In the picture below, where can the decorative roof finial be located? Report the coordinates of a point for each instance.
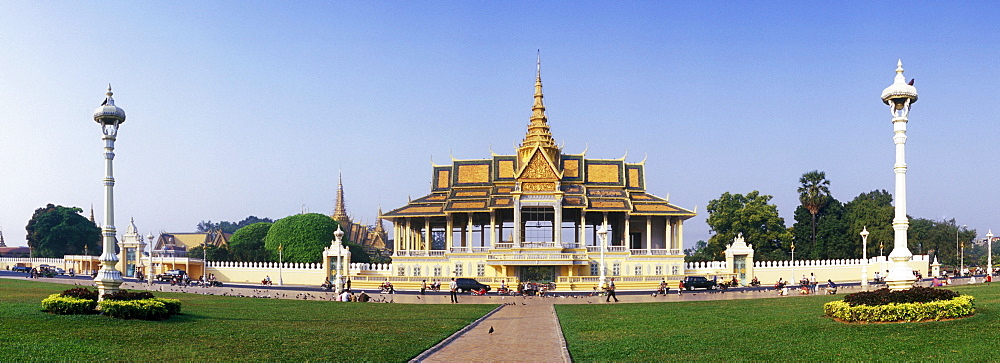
(538, 130)
(340, 211)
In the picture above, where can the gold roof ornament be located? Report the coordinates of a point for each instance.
(538, 135)
(340, 211)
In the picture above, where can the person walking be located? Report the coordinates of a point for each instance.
(453, 286)
(423, 286)
(611, 291)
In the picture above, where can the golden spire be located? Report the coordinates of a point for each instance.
(538, 130)
(340, 211)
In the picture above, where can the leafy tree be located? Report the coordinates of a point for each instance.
(247, 244)
(814, 192)
(751, 215)
(251, 220)
(230, 227)
(698, 253)
(874, 211)
(302, 236)
(55, 231)
(938, 238)
(211, 252)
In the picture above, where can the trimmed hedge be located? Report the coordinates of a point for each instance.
(67, 305)
(936, 310)
(80, 293)
(912, 295)
(145, 309)
(122, 304)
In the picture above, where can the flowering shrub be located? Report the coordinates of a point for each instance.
(122, 304)
(936, 310)
(145, 309)
(123, 295)
(885, 296)
(80, 293)
(67, 305)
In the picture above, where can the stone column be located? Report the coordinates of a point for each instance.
(649, 235)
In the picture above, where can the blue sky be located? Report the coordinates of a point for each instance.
(252, 108)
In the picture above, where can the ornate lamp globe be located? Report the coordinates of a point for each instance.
(899, 91)
(108, 113)
(338, 234)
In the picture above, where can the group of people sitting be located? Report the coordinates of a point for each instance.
(347, 296)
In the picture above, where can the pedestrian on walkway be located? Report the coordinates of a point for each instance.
(611, 291)
(423, 286)
(453, 286)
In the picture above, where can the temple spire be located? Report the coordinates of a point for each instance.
(340, 211)
(538, 134)
(3, 244)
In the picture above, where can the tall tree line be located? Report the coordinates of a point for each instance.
(826, 228)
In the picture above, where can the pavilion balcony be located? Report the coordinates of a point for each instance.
(597, 249)
(654, 252)
(420, 253)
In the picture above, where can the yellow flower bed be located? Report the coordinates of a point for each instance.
(944, 309)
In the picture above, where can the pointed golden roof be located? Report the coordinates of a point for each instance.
(340, 212)
(538, 130)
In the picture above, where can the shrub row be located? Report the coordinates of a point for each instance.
(145, 309)
(123, 295)
(912, 295)
(122, 304)
(80, 293)
(68, 305)
(936, 310)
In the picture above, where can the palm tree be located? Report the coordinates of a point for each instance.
(814, 192)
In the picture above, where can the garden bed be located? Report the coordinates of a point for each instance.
(912, 305)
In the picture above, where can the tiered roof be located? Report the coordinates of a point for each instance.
(539, 168)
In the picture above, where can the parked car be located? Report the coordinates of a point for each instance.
(466, 285)
(24, 269)
(58, 270)
(170, 275)
(699, 282)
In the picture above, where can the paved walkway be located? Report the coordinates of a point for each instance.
(525, 323)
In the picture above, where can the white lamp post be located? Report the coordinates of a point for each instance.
(110, 117)
(791, 280)
(338, 236)
(603, 234)
(900, 96)
(150, 272)
(281, 248)
(864, 262)
(989, 253)
(958, 249)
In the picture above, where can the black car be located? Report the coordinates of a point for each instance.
(170, 275)
(466, 285)
(699, 282)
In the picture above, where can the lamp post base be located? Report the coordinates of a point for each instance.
(900, 275)
(108, 282)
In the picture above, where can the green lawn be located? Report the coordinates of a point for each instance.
(780, 329)
(226, 328)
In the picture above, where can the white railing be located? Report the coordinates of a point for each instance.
(539, 245)
(39, 261)
(616, 249)
(570, 245)
(365, 267)
(537, 256)
(420, 253)
(676, 251)
(267, 265)
(459, 250)
(480, 249)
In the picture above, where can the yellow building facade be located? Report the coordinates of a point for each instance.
(534, 216)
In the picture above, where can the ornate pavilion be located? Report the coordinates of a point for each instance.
(535, 215)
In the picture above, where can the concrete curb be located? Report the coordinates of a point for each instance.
(448, 340)
(563, 346)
